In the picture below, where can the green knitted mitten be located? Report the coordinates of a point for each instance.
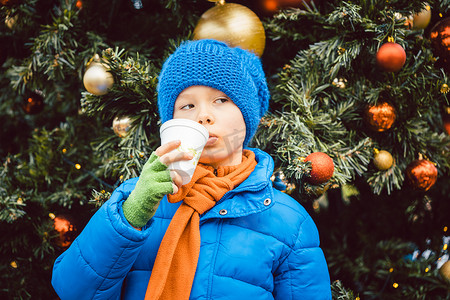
(153, 184)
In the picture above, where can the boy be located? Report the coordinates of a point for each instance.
(225, 235)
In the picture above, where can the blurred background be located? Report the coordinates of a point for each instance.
(358, 125)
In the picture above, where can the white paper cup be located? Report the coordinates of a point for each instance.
(193, 137)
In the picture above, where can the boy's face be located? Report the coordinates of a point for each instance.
(221, 117)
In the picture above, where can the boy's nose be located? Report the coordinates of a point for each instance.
(205, 118)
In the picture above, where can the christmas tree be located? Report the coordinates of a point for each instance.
(358, 125)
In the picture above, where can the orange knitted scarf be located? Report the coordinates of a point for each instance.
(174, 269)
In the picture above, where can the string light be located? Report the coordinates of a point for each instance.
(391, 270)
(445, 228)
(64, 150)
(19, 201)
(13, 264)
(395, 285)
(78, 166)
(427, 269)
(52, 215)
(391, 39)
(445, 247)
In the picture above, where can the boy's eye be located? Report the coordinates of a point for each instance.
(187, 106)
(223, 100)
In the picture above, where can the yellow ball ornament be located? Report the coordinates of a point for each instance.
(11, 21)
(97, 80)
(121, 126)
(422, 18)
(234, 24)
(444, 271)
(382, 160)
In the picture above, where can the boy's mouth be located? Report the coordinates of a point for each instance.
(211, 140)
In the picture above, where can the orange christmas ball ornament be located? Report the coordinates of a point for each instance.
(391, 57)
(440, 39)
(421, 174)
(380, 117)
(8, 2)
(66, 230)
(33, 102)
(322, 167)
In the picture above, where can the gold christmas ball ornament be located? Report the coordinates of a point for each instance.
(340, 82)
(380, 117)
(391, 57)
(421, 174)
(382, 160)
(121, 126)
(11, 21)
(97, 80)
(234, 24)
(444, 271)
(421, 19)
(444, 88)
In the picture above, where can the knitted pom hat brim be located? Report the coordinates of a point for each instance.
(234, 71)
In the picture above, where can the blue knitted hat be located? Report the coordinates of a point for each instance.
(233, 71)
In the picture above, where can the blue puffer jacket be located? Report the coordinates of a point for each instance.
(256, 243)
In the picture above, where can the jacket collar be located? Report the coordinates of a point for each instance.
(257, 188)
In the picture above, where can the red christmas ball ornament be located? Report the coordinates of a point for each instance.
(380, 117)
(33, 102)
(272, 6)
(421, 174)
(322, 167)
(269, 6)
(8, 2)
(391, 57)
(67, 231)
(440, 39)
(447, 126)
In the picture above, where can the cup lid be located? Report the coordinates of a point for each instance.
(185, 122)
